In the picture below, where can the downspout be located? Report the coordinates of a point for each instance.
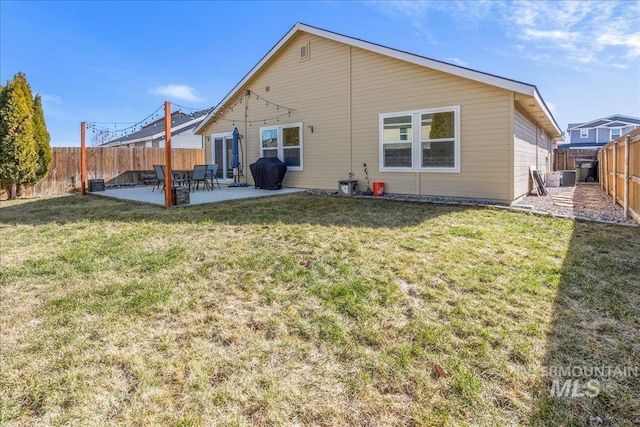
(511, 144)
(350, 116)
(246, 136)
(550, 151)
(537, 142)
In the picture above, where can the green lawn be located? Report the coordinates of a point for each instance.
(312, 310)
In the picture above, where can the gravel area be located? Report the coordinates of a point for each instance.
(584, 201)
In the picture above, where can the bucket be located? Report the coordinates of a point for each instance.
(378, 188)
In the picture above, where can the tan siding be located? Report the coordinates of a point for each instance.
(318, 90)
(531, 148)
(208, 158)
(384, 85)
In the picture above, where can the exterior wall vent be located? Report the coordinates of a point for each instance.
(304, 52)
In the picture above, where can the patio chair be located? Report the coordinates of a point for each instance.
(199, 175)
(160, 178)
(159, 170)
(212, 173)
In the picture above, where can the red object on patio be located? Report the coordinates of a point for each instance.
(378, 188)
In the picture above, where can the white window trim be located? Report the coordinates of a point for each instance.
(586, 133)
(212, 141)
(280, 141)
(611, 138)
(417, 143)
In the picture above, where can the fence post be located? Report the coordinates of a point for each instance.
(83, 160)
(605, 172)
(168, 201)
(615, 173)
(627, 157)
(600, 157)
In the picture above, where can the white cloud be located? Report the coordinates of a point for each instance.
(629, 41)
(579, 33)
(50, 99)
(552, 107)
(576, 33)
(182, 92)
(457, 61)
(530, 34)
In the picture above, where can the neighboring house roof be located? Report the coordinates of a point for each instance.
(581, 145)
(617, 120)
(534, 105)
(606, 123)
(616, 125)
(180, 123)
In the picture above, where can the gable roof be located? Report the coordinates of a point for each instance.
(617, 120)
(625, 119)
(616, 125)
(180, 123)
(537, 109)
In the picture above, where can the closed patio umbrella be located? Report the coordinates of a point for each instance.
(235, 159)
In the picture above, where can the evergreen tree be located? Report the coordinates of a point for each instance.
(42, 139)
(442, 126)
(18, 153)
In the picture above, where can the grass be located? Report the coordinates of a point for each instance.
(310, 310)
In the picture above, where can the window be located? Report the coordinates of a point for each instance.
(424, 140)
(397, 137)
(283, 142)
(584, 133)
(616, 133)
(437, 138)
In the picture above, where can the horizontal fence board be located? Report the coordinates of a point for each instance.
(613, 159)
(565, 158)
(115, 165)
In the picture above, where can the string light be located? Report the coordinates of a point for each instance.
(105, 133)
(249, 95)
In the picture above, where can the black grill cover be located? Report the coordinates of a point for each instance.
(268, 173)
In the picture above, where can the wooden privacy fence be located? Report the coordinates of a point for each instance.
(620, 172)
(565, 158)
(116, 165)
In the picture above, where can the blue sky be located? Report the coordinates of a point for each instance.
(116, 62)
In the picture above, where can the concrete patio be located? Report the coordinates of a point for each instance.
(144, 194)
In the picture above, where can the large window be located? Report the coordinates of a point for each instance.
(397, 141)
(424, 140)
(616, 133)
(283, 142)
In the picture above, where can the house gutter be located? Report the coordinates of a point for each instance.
(349, 114)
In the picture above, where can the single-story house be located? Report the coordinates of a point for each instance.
(326, 104)
(152, 134)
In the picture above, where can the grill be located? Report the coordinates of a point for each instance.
(268, 173)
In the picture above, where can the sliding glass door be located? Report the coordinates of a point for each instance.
(221, 152)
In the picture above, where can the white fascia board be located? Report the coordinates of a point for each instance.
(590, 147)
(467, 73)
(586, 125)
(622, 115)
(501, 82)
(249, 75)
(546, 111)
